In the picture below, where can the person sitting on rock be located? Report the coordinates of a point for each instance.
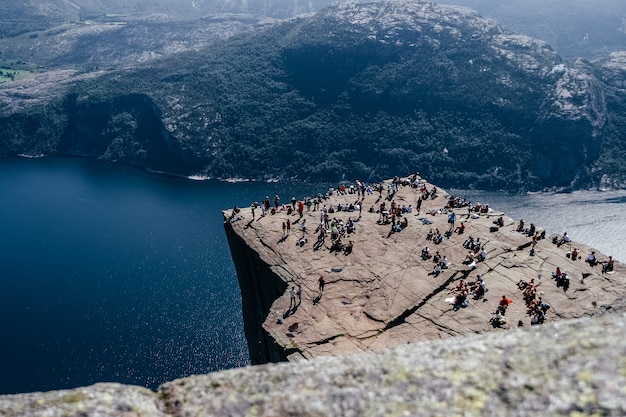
(591, 259)
(350, 226)
(437, 257)
(460, 299)
(425, 253)
(444, 262)
(476, 245)
(336, 246)
(347, 250)
(532, 305)
(562, 280)
(460, 229)
(564, 239)
(539, 317)
(461, 286)
(499, 221)
(520, 226)
(530, 291)
(573, 254)
(607, 266)
(558, 271)
(498, 319)
(469, 242)
(478, 287)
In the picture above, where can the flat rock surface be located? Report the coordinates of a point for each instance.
(383, 294)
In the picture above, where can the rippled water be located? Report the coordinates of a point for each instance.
(597, 219)
(112, 274)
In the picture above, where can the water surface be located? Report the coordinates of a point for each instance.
(112, 274)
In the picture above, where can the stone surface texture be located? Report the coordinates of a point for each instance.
(568, 368)
(378, 339)
(383, 294)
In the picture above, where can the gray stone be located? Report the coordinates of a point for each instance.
(568, 368)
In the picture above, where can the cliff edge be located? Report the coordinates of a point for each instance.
(569, 368)
(382, 292)
(384, 303)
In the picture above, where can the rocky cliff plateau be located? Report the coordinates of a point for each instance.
(383, 294)
(379, 337)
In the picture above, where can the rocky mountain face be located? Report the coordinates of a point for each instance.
(359, 90)
(568, 368)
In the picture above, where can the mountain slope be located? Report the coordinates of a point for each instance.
(358, 90)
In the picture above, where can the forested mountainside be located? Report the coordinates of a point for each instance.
(361, 90)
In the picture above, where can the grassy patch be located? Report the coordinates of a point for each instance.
(8, 74)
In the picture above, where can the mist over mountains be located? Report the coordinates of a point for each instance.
(361, 90)
(574, 28)
(30, 15)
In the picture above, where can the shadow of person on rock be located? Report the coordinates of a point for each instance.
(290, 311)
(317, 299)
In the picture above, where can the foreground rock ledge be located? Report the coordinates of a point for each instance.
(569, 368)
(383, 294)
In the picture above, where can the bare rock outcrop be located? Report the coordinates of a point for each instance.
(569, 368)
(370, 334)
(383, 293)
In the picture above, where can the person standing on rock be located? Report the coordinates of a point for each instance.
(299, 294)
(303, 227)
(288, 226)
(451, 220)
(292, 295)
(266, 203)
(284, 229)
(321, 283)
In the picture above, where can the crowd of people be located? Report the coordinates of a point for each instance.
(334, 226)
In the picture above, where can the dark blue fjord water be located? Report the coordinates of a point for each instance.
(108, 273)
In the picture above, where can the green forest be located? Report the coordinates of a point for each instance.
(318, 98)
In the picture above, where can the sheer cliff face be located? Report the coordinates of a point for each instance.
(127, 130)
(260, 287)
